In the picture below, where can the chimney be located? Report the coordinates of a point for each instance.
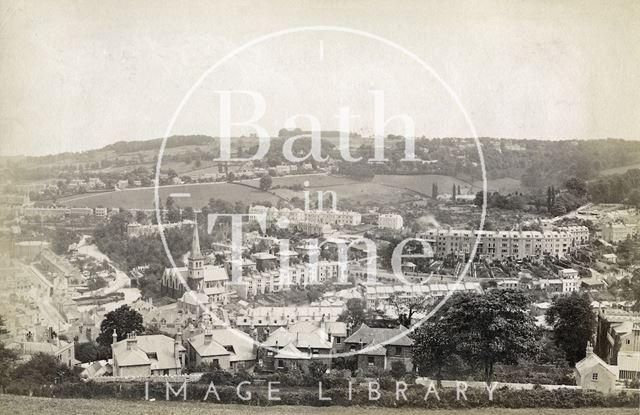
(208, 337)
(589, 349)
(131, 343)
(114, 337)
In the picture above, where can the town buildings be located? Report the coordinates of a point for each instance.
(135, 230)
(277, 279)
(618, 341)
(275, 317)
(322, 217)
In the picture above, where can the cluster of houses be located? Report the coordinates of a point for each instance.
(293, 345)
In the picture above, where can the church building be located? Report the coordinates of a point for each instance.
(198, 276)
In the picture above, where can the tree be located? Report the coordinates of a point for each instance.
(576, 186)
(433, 348)
(398, 369)
(43, 369)
(405, 308)
(124, 321)
(87, 352)
(573, 324)
(8, 359)
(315, 371)
(141, 217)
(62, 239)
(491, 328)
(355, 313)
(265, 182)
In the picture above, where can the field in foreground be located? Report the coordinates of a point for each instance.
(19, 405)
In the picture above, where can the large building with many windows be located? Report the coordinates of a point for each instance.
(390, 221)
(322, 217)
(503, 244)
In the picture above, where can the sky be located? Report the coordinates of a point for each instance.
(78, 75)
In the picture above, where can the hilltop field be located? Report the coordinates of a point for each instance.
(391, 188)
(21, 405)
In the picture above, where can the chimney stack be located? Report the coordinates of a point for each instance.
(131, 343)
(208, 337)
(589, 349)
(114, 337)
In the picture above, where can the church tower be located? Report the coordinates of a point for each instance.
(196, 262)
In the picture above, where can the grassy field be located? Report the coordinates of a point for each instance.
(382, 189)
(144, 197)
(20, 405)
(620, 170)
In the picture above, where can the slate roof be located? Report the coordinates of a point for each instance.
(240, 344)
(154, 350)
(592, 360)
(369, 335)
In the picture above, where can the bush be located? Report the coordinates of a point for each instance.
(398, 369)
(336, 379)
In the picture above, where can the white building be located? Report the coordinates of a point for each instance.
(499, 244)
(390, 221)
(616, 232)
(283, 316)
(321, 217)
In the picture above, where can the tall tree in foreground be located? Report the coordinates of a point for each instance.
(433, 349)
(573, 324)
(491, 328)
(124, 321)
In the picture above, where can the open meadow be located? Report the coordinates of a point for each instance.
(381, 189)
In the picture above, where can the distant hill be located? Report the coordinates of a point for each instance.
(535, 163)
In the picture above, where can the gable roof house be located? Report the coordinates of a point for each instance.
(378, 348)
(142, 356)
(593, 373)
(230, 349)
(297, 344)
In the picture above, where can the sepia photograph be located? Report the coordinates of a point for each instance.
(320, 207)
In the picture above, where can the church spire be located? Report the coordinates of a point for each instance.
(195, 244)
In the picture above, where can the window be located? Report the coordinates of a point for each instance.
(594, 376)
(370, 360)
(628, 341)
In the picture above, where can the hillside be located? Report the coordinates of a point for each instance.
(533, 163)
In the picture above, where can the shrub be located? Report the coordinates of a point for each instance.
(398, 369)
(336, 379)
